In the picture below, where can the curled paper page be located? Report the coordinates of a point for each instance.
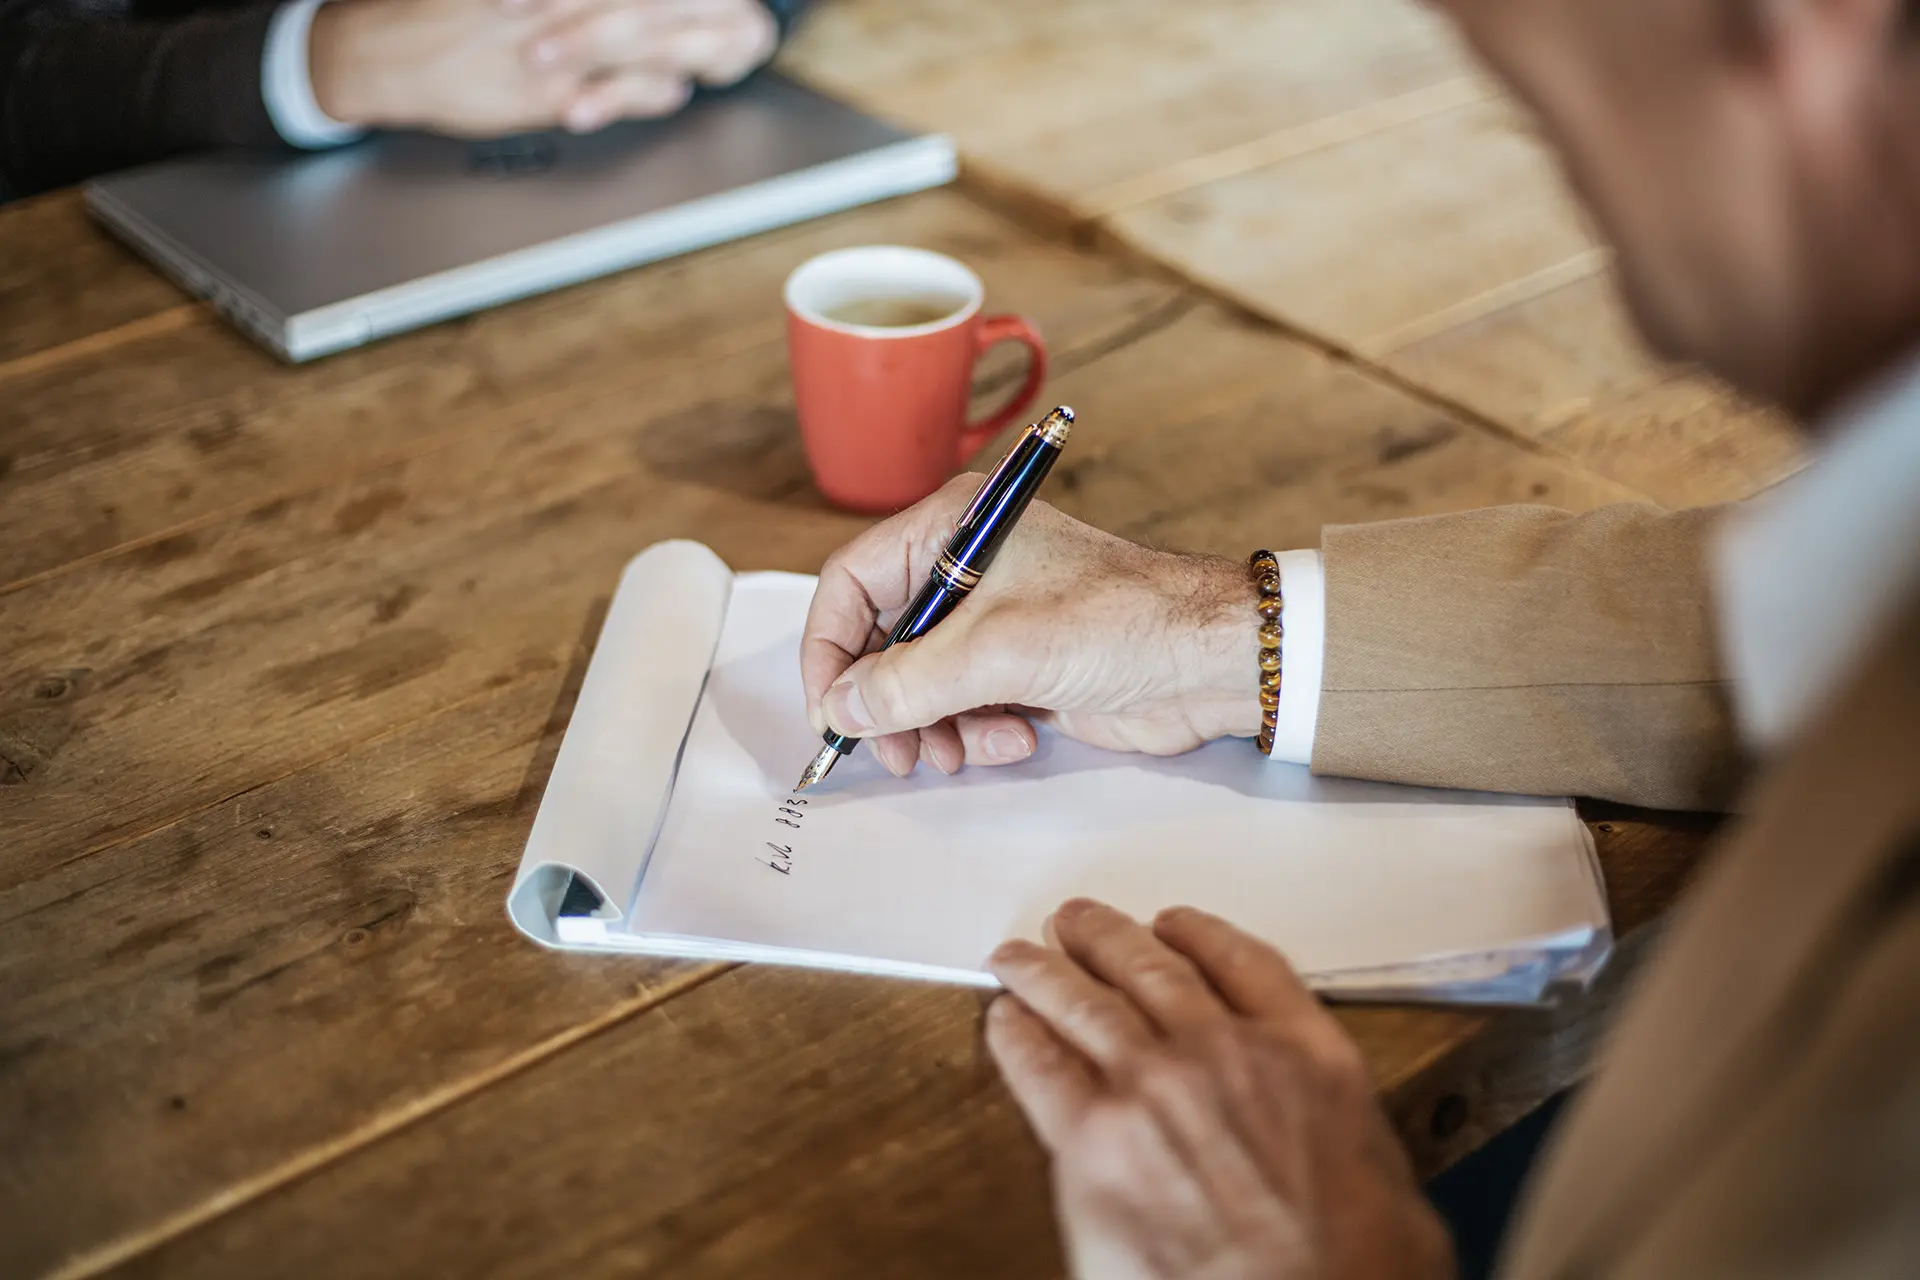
(614, 774)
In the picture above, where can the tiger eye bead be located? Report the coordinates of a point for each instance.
(1264, 568)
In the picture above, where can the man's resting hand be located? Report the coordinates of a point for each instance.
(1206, 1116)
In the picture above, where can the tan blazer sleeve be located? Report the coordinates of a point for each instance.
(1527, 649)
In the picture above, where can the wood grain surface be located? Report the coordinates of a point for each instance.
(286, 653)
(1086, 103)
(1367, 273)
(65, 288)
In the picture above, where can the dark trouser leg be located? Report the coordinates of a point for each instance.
(1477, 1195)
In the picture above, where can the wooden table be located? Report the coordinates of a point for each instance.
(286, 654)
(1341, 168)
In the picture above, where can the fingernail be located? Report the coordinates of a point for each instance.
(1075, 907)
(895, 758)
(1009, 951)
(1006, 744)
(846, 709)
(582, 119)
(547, 51)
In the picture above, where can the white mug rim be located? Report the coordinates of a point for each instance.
(832, 257)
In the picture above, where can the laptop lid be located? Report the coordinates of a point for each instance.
(313, 252)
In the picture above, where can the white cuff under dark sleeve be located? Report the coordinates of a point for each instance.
(1303, 643)
(287, 86)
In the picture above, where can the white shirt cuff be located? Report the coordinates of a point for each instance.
(1303, 645)
(286, 84)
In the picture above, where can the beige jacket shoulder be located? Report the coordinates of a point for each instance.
(1528, 649)
(1756, 1111)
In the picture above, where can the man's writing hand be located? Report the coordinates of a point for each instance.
(1114, 644)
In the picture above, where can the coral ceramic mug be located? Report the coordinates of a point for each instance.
(883, 341)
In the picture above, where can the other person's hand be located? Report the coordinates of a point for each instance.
(1206, 1116)
(477, 68)
(633, 54)
(1114, 644)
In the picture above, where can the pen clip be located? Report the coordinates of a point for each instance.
(980, 498)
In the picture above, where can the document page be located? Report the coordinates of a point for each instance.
(925, 876)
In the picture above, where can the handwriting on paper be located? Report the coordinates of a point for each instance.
(779, 853)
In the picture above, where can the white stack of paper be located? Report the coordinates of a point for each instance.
(669, 826)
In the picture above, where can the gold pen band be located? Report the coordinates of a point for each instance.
(957, 575)
(1012, 485)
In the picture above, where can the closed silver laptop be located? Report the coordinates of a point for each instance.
(313, 253)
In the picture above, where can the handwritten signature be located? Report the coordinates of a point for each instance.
(780, 856)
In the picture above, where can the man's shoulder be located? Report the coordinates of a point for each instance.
(1774, 1040)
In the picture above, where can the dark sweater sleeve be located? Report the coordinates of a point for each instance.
(83, 95)
(80, 96)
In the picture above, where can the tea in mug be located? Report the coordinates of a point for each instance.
(891, 313)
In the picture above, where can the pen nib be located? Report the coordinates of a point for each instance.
(821, 765)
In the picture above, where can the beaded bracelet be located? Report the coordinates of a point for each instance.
(1266, 580)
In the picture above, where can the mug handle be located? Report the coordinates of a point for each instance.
(993, 331)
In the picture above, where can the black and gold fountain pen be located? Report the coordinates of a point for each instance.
(977, 538)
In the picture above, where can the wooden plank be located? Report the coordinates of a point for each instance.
(1687, 441)
(1080, 102)
(110, 452)
(281, 977)
(247, 679)
(1262, 442)
(1367, 242)
(1316, 134)
(62, 279)
(1469, 277)
(122, 340)
(1538, 362)
(1566, 369)
(768, 1123)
